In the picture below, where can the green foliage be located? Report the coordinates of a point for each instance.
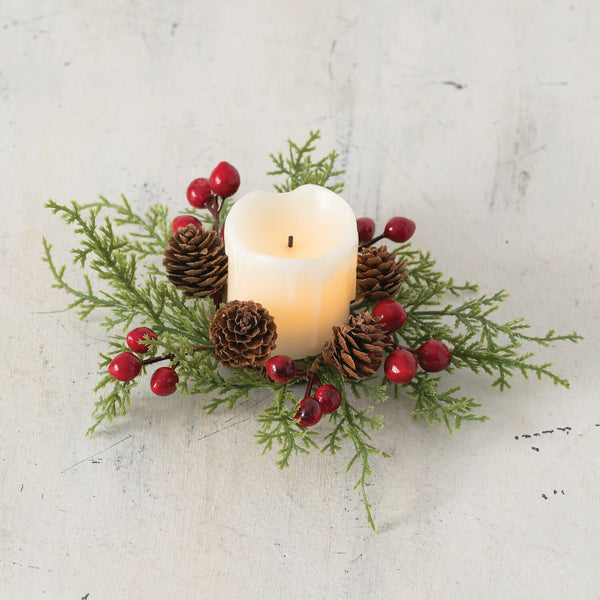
(278, 427)
(355, 425)
(299, 168)
(476, 341)
(118, 254)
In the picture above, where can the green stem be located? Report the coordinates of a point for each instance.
(361, 450)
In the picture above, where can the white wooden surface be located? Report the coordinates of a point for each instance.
(479, 120)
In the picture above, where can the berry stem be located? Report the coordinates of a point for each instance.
(170, 356)
(309, 384)
(151, 361)
(313, 373)
(399, 347)
(214, 206)
(372, 241)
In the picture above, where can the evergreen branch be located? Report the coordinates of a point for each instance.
(505, 361)
(109, 260)
(229, 390)
(336, 436)
(355, 421)
(86, 301)
(423, 285)
(159, 304)
(155, 230)
(437, 407)
(366, 389)
(355, 425)
(118, 400)
(278, 426)
(479, 343)
(299, 168)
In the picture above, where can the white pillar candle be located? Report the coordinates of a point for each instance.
(307, 287)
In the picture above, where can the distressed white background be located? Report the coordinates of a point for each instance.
(479, 120)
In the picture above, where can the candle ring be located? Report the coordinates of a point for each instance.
(331, 324)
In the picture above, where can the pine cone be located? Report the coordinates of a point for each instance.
(378, 275)
(355, 349)
(196, 261)
(244, 334)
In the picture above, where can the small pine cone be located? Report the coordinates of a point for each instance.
(196, 261)
(378, 275)
(244, 334)
(355, 349)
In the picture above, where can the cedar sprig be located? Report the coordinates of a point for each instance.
(153, 231)
(109, 405)
(114, 260)
(437, 406)
(115, 398)
(278, 428)
(225, 387)
(423, 284)
(478, 342)
(504, 361)
(356, 425)
(299, 168)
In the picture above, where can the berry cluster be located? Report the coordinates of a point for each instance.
(326, 399)
(210, 194)
(397, 229)
(402, 364)
(127, 366)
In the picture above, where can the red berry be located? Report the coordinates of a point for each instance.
(329, 397)
(125, 366)
(164, 381)
(434, 356)
(224, 181)
(309, 412)
(183, 220)
(280, 368)
(401, 366)
(392, 314)
(135, 339)
(366, 229)
(199, 192)
(399, 229)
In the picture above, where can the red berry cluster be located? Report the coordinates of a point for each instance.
(397, 229)
(401, 364)
(127, 366)
(326, 399)
(210, 193)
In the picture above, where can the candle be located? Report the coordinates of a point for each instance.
(295, 253)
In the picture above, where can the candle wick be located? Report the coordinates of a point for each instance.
(290, 241)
